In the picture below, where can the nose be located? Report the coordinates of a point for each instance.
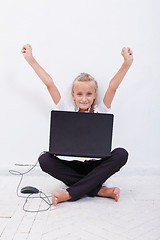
(84, 98)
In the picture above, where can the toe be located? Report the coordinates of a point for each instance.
(117, 193)
(54, 198)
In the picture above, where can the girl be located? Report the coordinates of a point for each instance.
(83, 176)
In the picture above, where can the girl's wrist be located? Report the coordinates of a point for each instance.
(127, 63)
(31, 60)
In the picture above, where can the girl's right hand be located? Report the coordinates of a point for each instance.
(127, 54)
(27, 52)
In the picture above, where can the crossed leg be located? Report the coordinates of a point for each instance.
(80, 184)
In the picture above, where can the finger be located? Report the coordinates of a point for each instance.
(28, 45)
(124, 49)
(24, 47)
(130, 52)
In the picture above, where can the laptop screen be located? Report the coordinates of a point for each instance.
(80, 134)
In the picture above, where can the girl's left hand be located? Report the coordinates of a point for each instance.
(127, 54)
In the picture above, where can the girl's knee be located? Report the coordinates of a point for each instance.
(122, 155)
(43, 161)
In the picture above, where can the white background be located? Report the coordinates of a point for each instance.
(70, 37)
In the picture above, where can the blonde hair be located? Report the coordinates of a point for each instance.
(85, 77)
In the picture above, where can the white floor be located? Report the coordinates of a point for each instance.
(135, 216)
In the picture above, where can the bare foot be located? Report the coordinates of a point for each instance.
(61, 196)
(109, 192)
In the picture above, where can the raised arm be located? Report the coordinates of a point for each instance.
(117, 79)
(42, 74)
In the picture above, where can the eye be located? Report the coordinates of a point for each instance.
(79, 94)
(89, 93)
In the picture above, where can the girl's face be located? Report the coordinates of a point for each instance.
(84, 95)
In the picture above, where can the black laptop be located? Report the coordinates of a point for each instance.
(80, 134)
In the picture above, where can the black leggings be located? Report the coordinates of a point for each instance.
(83, 178)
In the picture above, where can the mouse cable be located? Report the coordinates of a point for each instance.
(43, 198)
(30, 195)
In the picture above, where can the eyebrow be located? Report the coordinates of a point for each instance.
(81, 92)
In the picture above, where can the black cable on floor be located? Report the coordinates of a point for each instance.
(30, 195)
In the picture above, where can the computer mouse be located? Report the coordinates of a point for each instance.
(29, 189)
